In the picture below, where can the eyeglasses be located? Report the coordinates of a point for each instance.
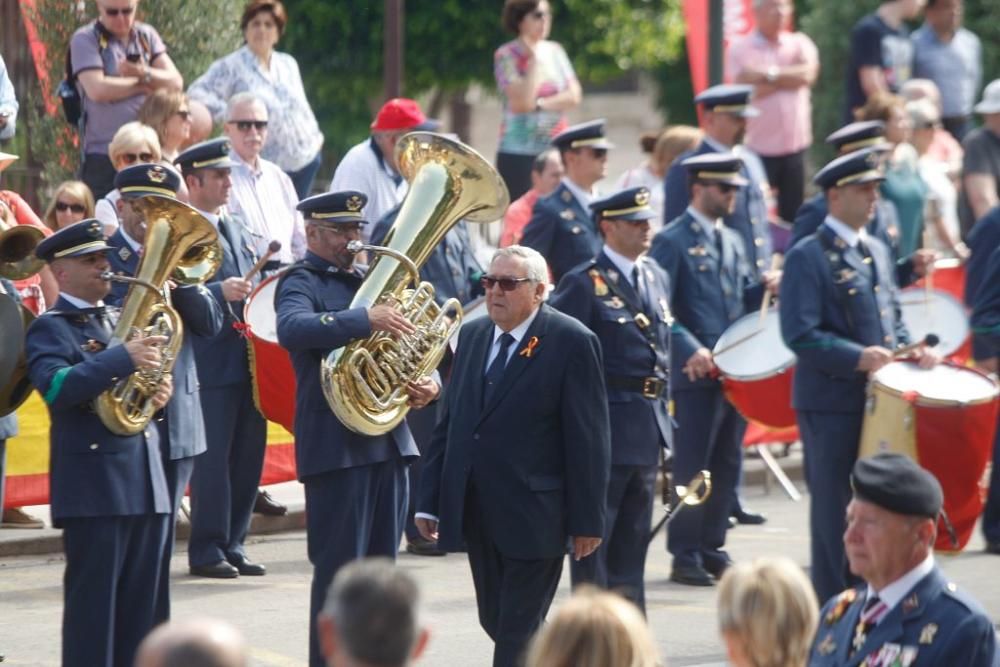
(62, 207)
(341, 230)
(115, 11)
(506, 284)
(245, 125)
(184, 114)
(132, 158)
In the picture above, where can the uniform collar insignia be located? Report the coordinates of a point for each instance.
(567, 214)
(124, 253)
(927, 633)
(840, 243)
(911, 603)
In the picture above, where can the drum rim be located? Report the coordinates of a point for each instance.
(246, 307)
(938, 402)
(760, 376)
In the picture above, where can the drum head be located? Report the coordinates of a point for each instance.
(259, 312)
(944, 383)
(932, 311)
(748, 350)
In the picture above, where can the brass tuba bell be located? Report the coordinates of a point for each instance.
(365, 382)
(17, 252)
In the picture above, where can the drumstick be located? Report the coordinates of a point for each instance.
(738, 342)
(930, 340)
(766, 301)
(272, 247)
(929, 280)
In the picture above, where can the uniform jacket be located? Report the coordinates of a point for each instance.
(92, 471)
(223, 359)
(935, 624)
(749, 218)
(832, 306)
(538, 453)
(562, 231)
(314, 318)
(707, 292)
(985, 317)
(639, 425)
(201, 315)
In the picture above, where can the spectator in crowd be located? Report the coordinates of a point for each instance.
(650, 173)
(767, 614)
(881, 54)
(546, 172)
(782, 66)
(537, 87)
(594, 628)
(903, 185)
(370, 167)
(132, 143)
(168, 113)
(8, 104)
(952, 57)
(981, 165)
(71, 202)
(372, 617)
(944, 147)
(263, 195)
(296, 140)
(941, 228)
(197, 642)
(117, 61)
(674, 142)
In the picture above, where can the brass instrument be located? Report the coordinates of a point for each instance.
(182, 245)
(17, 252)
(365, 382)
(17, 262)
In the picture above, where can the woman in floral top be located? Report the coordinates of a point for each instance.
(537, 84)
(294, 138)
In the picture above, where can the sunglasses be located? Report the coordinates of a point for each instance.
(726, 188)
(184, 114)
(245, 125)
(132, 158)
(115, 11)
(62, 207)
(506, 284)
(599, 153)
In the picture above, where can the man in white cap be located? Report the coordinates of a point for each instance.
(981, 165)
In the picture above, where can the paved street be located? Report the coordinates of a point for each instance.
(271, 611)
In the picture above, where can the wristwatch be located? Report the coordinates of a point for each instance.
(772, 74)
(146, 76)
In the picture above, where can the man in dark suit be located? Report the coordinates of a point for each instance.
(725, 109)
(182, 431)
(225, 477)
(520, 459)
(355, 485)
(840, 316)
(561, 228)
(711, 286)
(622, 296)
(905, 612)
(108, 491)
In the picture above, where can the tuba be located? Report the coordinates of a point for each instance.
(17, 252)
(182, 245)
(17, 262)
(365, 381)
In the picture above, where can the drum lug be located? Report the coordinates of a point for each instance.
(870, 404)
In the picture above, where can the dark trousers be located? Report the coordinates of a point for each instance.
(421, 423)
(512, 595)
(110, 587)
(302, 180)
(350, 514)
(225, 478)
(515, 169)
(709, 436)
(178, 474)
(787, 175)
(98, 173)
(991, 513)
(830, 448)
(620, 562)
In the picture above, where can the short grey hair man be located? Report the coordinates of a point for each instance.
(240, 99)
(371, 617)
(198, 642)
(538, 270)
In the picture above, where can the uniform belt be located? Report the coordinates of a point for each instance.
(651, 387)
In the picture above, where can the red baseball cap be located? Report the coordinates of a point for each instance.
(401, 113)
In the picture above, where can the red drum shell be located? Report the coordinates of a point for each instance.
(270, 366)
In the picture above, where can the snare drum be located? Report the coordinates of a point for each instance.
(933, 311)
(944, 418)
(270, 366)
(757, 369)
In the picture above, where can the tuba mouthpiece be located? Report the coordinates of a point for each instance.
(355, 246)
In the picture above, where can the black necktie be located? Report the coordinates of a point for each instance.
(640, 288)
(495, 372)
(718, 240)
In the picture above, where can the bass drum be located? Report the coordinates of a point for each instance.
(270, 366)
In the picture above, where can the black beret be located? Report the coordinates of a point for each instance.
(895, 482)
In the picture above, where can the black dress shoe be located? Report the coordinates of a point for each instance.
(691, 575)
(422, 547)
(993, 548)
(718, 567)
(246, 567)
(219, 570)
(747, 518)
(268, 506)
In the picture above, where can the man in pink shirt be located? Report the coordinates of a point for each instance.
(782, 66)
(546, 172)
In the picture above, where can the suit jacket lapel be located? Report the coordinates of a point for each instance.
(479, 347)
(621, 283)
(517, 363)
(87, 321)
(234, 233)
(911, 606)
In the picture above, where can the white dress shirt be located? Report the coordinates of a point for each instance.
(849, 235)
(364, 169)
(894, 593)
(265, 199)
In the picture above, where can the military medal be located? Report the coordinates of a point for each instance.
(697, 251)
(927, 633)
(827, 646)
(615, 302)
(600, 287)
(567, 214)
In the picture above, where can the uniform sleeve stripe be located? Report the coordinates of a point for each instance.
(56, 386)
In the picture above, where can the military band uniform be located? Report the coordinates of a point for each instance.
(708, 292)
(634, 331)
(107, 492)
(985, 321)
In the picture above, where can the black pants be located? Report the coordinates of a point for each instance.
(787, 175)
(515, 169)
(98, 173)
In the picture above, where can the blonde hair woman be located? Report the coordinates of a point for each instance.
(768, 613)
(168, 113)
(594, 628)
(133, 143)
(71, 202)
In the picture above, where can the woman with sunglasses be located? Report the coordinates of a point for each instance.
(71, 203)
(295, 139)
(169, 113)
(537, 85)
(133, 143)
